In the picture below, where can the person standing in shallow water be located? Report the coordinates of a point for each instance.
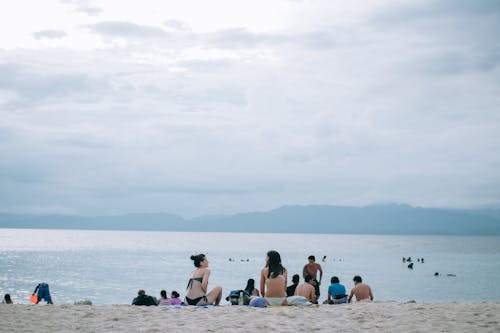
(273, 279)
(198, 284)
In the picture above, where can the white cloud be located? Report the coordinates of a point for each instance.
(343, 106)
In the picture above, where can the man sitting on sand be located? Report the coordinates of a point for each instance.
(336, 292)
(361, 291)
(143, 299)
(307, 290)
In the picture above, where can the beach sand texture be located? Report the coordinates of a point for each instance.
(355, 317)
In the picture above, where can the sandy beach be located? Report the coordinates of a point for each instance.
(355, 317)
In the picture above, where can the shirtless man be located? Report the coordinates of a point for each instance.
(361, 291)
(312, 268)
(306, 289)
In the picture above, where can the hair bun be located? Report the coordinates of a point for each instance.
(193, 257)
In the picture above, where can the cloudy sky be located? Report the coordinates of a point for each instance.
(214, 107)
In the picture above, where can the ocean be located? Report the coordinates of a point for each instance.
(108, 267)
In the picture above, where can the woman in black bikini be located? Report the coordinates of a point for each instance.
(198, 283)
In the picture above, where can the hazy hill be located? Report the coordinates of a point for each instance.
(384, 219)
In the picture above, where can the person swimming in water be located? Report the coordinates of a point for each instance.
(198, 284)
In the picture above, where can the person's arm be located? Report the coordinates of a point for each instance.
(36, 289)
(285, 275)
(371, 295)
(350, 296)
(320, 273)
(262, 282)
(304, 272)
(329, 295)
(204, 282)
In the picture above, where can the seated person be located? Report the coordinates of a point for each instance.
(174, 298)
(307, 289)
(361, 291)
(290, 290)
(250, 289)
(7, 299)
(143, 299)
(273, 280)
(164, 300)
(336, 292)
(197, 288)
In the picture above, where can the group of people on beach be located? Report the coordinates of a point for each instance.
(273, 289)
(40, 293)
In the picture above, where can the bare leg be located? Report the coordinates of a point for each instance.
(214, 296)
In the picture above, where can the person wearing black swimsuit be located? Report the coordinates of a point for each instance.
(198, 284)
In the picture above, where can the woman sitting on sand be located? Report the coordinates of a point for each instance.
(250, 289)
(198, 283)
(273, 279)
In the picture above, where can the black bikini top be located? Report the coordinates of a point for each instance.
(190, 282)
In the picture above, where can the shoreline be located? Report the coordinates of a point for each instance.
(354, 317)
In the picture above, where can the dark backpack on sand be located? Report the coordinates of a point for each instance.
(238, 297)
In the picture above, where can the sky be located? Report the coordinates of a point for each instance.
(218, 107)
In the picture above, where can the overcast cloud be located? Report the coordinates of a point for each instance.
(114, 108)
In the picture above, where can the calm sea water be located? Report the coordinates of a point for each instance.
(108, 267)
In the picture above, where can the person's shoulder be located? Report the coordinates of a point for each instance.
(200, 271)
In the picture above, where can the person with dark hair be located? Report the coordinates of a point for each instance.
(7, 299)
(42, 291)
(336, 292)
(143, 299)
(306, 289)
(290, 290)
(361, 291)
(198, 284)
(273, 279)
(174, 298)
(312, 268)
(250, 289)
(164, 300)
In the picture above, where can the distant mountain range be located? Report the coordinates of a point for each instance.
(396, 219)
